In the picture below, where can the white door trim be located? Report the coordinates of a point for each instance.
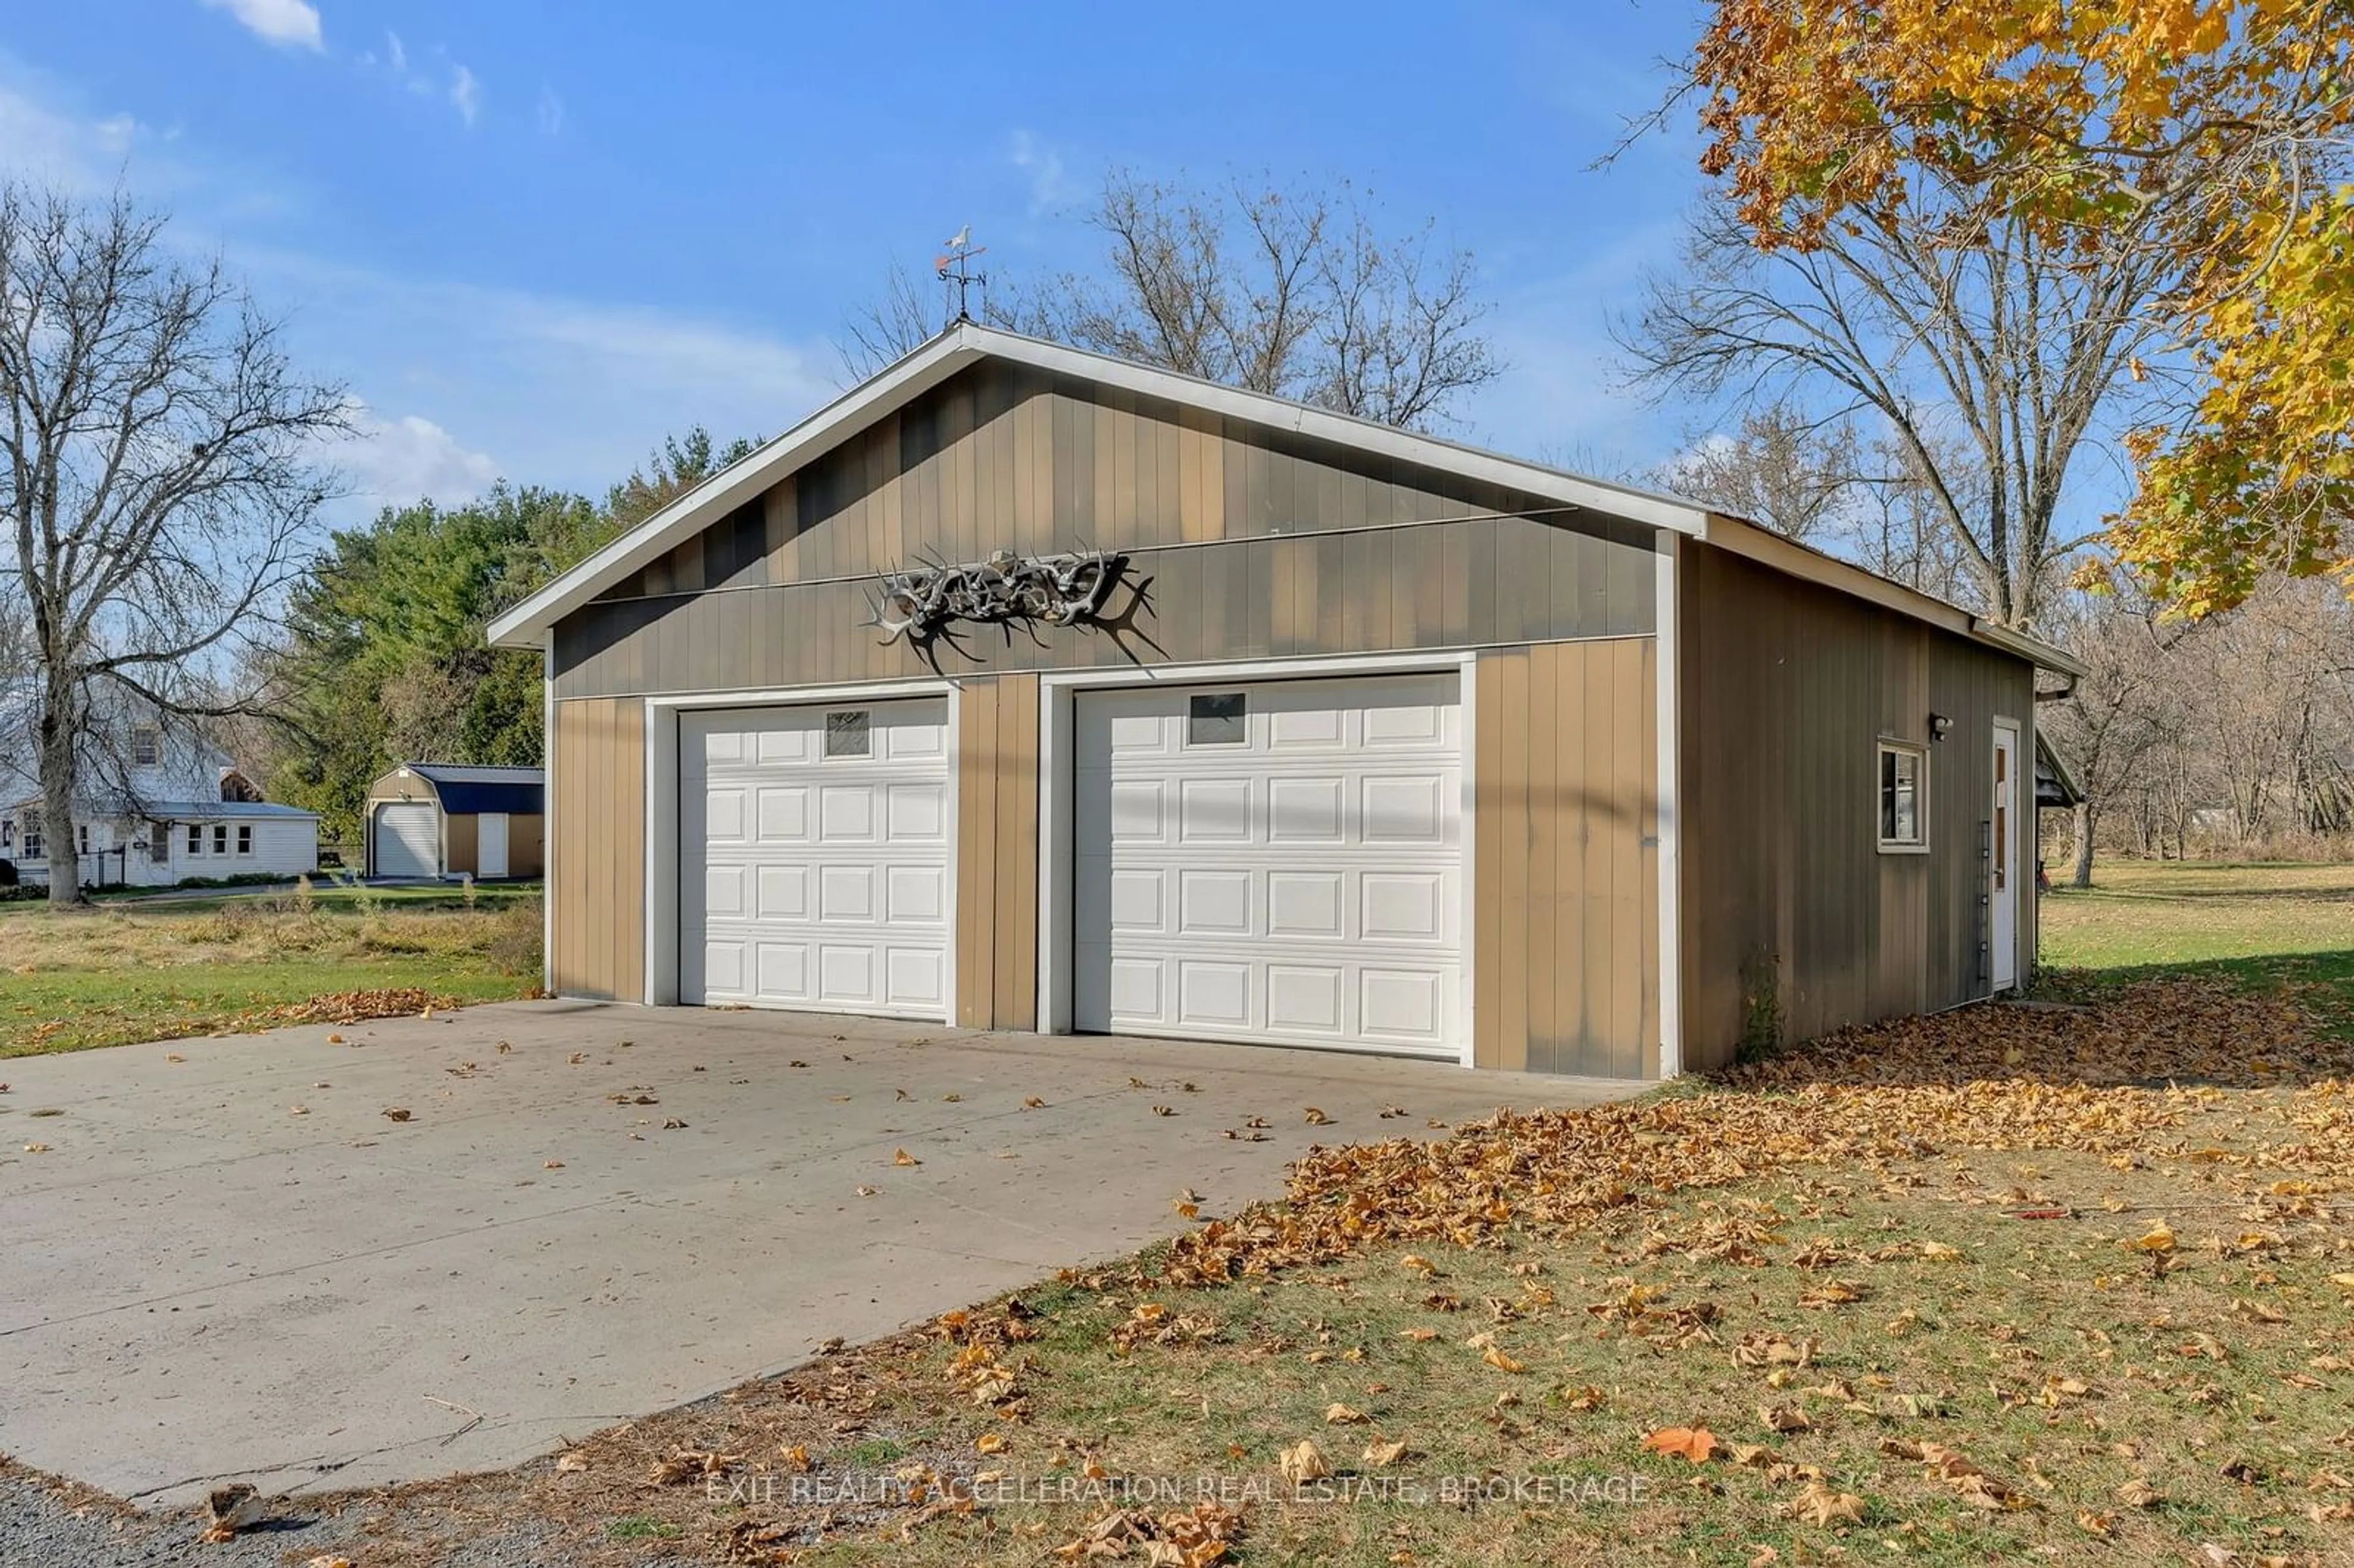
(1669, 761)
(2002, 874)
(662, 848)
(1056, 741)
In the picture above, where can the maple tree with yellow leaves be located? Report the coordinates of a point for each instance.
(2214, 133)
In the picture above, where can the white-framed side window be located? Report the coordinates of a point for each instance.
(245, 838)
(146, 748)
(159, 842)
(220, 838)
(1903, 771)
(195, 838)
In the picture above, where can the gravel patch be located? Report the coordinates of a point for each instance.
(46, 1523)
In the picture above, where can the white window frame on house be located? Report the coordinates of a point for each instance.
(159, 842)
(33, 837)
(1887, 784)
(220, 838)
(195, 838)
(146, 747)
(245, 838)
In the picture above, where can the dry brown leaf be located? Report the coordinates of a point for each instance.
(988, 1443)
(1344, 1415)
(1496, 1358)
(1423, 1334)
(1819, 1505)
(1380, 1456)
(397, 1113)
(901, 1157)
(572, 1462)
(1303, 1461)
(1316, 1118)
(1785, 1418)
(2139, 1493)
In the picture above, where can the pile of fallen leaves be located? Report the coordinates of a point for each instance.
(2118, 1078)
(1184, 1538)
(352, 1006)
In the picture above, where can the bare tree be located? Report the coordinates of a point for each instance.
(1299, 292)
(157, 478)
(1796, 475)
(1993, 360)
(2127, 705)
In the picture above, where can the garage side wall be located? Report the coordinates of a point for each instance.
(1565, 892)
(596, 872)
(1794, 922)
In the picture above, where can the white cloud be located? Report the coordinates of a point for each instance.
(550, 112)
(396, 54)
(465, 92)
(1050, 185)
(286, 23)
(394, 461)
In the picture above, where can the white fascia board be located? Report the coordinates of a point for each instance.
(527, 624)
(2046, 656)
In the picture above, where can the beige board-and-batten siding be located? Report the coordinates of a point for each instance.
(1245, 545)
(597, 893)
(1794, 923)
(1565, 888)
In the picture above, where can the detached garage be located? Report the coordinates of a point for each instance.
(1205, 714)
(445, 819)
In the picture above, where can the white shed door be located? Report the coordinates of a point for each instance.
(815, 848)
(405, 839)
(1280, 862)
(491, 844)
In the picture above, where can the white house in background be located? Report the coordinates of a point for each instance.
(166, 805)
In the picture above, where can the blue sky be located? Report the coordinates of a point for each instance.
(533, 236)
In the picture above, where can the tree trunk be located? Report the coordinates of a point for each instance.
(2083, 874)
(58, 831)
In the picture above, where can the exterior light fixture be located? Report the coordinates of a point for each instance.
(1940, 726)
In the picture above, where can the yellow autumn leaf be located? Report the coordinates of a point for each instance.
(901, 1157)
(1496, 1358)
(1382, 1455)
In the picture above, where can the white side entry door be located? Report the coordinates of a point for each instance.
(2002, 927)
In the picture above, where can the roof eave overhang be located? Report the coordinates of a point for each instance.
(530, 623)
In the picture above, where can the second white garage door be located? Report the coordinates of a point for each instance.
(813, 846)
(1280, 862)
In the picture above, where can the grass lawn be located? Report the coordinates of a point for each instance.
(2267, 926)
(121, 972)
(2067, 1284)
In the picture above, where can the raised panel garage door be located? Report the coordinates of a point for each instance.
(404, 840)
(814, 858)
(1280, 862)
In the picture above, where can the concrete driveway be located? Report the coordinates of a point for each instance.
(592, 1212)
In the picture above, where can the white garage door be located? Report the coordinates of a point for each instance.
(404, 840)
(1281, 863)
(814, 858)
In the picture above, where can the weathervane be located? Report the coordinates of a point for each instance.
(955, 269)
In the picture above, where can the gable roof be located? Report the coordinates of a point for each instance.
(530, 623)
(527, 624)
